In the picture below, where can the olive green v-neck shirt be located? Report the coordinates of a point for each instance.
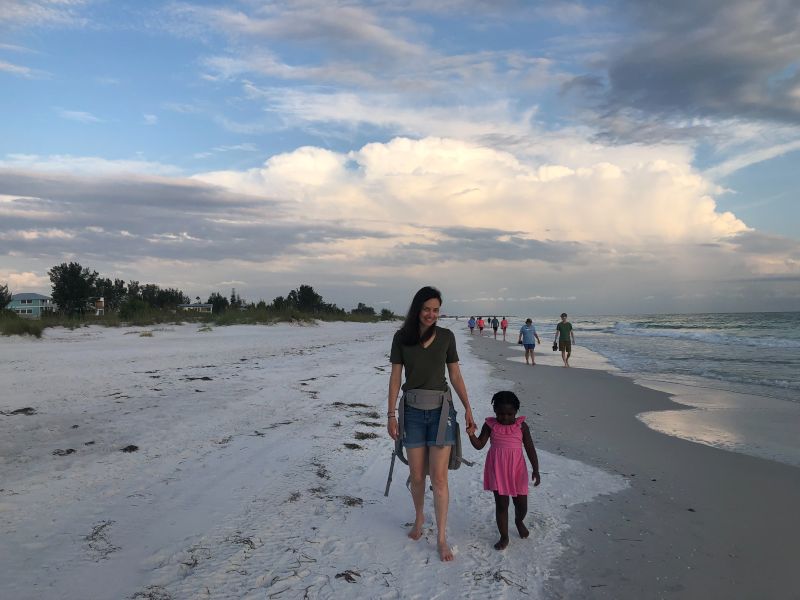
(425, 366)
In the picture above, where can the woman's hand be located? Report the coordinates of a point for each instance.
(469, 422)
(391, 427)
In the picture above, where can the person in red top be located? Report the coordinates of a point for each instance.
(504, 326)
(480, 325)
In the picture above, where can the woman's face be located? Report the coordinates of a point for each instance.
(429, 313)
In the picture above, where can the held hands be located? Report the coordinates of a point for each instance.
(536, 478)
(469, 421)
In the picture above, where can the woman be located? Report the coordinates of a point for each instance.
(423, 349)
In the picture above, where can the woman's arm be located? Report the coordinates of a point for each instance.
(395, 379)
(527, 441)
(458, 385)
(479, 442)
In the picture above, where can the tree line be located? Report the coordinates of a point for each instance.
(74, 287)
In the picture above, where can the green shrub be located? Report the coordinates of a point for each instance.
(12, 324)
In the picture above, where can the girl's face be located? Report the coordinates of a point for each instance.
(429, 313)
(506, 414)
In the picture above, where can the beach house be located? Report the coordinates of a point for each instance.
(197, 307)
(31, 305)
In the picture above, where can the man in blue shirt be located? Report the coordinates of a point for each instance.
(526, 335)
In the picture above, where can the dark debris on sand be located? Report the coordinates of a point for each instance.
(152, 592)
(27, 411)
(349, 576)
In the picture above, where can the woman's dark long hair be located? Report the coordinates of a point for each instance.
(409, 332)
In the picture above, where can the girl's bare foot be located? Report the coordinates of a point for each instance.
(444, 551)
(502, 544)
(523, 531)
(416, 530)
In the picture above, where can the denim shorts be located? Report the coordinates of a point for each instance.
(530, 346)
(420, 427)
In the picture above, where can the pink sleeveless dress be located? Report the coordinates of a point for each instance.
(505, 471)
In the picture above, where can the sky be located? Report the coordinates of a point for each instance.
(631, 156)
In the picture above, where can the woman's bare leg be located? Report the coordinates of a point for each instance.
(417, 463)
(439, 459)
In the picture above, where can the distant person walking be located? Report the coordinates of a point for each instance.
(504, 326)
(565, 338)
(495, 325)
(471, 325)
(527, 334)
(480, 325)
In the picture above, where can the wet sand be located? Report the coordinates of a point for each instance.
(696, 521)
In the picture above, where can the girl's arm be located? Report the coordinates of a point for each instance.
(479, 442)
(395, 380)
(537, 338)
(527, 441)
(458, 385)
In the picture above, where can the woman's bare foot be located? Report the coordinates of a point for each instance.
(523, 531)
(502, 544)
(416, 530)
(444, 551)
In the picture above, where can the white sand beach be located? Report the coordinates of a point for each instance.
(259, 471)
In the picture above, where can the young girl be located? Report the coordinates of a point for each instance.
(505, 472)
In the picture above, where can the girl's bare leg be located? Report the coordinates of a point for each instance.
(417, 462)
(520, 510)
(439, 458)
(501, 514)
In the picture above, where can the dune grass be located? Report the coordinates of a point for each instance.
(12, 324)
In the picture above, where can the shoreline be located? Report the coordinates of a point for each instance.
(695, 521)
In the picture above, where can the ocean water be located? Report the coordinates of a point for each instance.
(751, 353)
(739, 373)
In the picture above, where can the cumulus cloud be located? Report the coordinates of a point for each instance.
(388, 215)
(25, 281)
(420, 182)
(168, 219)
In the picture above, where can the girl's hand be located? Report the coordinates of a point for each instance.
(391, 427)
(536, 478)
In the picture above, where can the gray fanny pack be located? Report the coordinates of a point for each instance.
(427, 400)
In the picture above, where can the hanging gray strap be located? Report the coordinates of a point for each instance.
(444, 417)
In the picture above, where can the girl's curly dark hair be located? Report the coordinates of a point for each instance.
(505, 398)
